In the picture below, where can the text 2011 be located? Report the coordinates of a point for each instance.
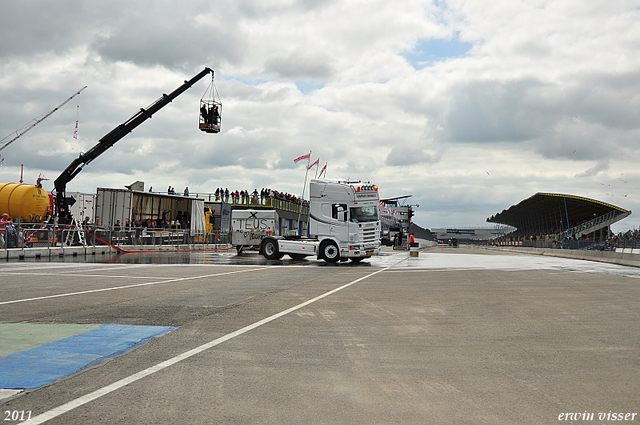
(17, 415)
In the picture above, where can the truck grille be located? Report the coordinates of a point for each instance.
(369, 235)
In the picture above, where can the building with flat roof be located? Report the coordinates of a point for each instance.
(471, 233)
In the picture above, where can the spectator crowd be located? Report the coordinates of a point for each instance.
(628, 239)
(244, 197)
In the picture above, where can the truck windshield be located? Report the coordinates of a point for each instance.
(364, 214)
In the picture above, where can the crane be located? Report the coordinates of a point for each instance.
(107, 141)
(37, 121)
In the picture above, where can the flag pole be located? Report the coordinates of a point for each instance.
(323, 170)
(302, 197)
(75, 132)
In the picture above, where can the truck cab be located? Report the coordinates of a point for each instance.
(343, 222)
(345, 214)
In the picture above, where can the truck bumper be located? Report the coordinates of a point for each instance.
(362, 252)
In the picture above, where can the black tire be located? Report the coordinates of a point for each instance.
(270, 249)
(329, 252)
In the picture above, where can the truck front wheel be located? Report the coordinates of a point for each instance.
(270, 249)
(330, 252)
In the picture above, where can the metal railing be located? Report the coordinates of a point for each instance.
(630, 239)
(27, 235)
(256, 201)
(160, 237)
(18, 236)
(610, 244)
(585, 227)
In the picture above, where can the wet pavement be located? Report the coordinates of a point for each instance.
(466, 258)
(454, 336)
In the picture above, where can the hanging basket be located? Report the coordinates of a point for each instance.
(210, 110)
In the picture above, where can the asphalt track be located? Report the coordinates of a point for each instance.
(455, 336)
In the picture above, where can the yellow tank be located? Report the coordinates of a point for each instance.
(28, 202)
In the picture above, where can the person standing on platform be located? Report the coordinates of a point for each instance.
(399, 238)
(205, 113)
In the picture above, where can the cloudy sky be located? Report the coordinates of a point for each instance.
(469, 106)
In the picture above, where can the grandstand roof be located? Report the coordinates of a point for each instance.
(553, 207)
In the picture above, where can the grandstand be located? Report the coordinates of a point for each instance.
(559, 217)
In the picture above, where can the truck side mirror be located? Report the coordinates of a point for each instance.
(339, 212)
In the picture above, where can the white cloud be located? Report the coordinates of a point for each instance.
(546, 98)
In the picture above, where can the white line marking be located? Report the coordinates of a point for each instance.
(113, 288)
(43, 270)
(57, 411)
(59, 266)
(72, 275)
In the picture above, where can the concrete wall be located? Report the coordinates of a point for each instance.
(626, 258)
(74, 251)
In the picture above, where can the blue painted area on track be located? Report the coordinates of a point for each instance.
(41, 365)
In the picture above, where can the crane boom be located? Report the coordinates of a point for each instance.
(107, 141)
(38, 121)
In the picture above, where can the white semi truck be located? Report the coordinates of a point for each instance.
(344, 220)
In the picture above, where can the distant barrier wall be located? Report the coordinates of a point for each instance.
(622, 256)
